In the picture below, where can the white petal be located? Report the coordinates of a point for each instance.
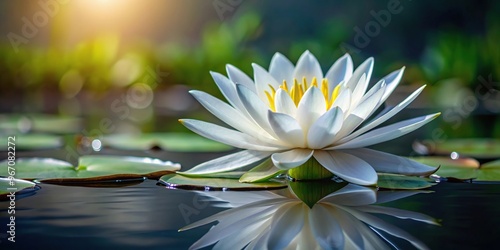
(228, 162)
(324, 129)
(392, 80)
(389, 163)
(387, 133)
(349, 124)
(287, 223)
(352, 195)
(310, 108)
(262, 81)
(308, 67)
(225, 135)
(343, 100)
(228, 89)
(287, 129)
(238, 77)
(281, 68)
(347, 167)
(231, 116)
(369, 105)
(359, 90)
(365, 68)
(340, 71)
(326, 228)
(255, 107)
(385, 116)
(284, 103)
(292, 158)
(359, 114)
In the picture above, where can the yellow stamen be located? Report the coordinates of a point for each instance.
(270, 98)
(297, 90)
(335, 94)
(303, 86)
(314, 82)
(284, 86)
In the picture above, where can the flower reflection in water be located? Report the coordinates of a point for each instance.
(340, 220)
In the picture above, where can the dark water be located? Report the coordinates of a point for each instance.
(146, 215)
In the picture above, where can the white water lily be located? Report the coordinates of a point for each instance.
(341, 220)
(297, 115)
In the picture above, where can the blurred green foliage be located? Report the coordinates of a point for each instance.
(451, 62)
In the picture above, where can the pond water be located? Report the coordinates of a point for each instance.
(149, 215)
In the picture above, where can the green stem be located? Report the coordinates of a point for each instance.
(311, 170)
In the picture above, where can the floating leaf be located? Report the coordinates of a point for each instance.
(204, 183)
(35, 141)
(8, 185)
(461, 168)
(489, 171)
(180, 142)
(394, 181)
(90, 169)
(262, 172)
(480, 148)
(40, 123)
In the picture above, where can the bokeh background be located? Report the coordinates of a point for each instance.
(135, 60)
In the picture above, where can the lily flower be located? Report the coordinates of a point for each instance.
(341, 220)
(305, 122)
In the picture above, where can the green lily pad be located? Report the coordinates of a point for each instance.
(489, 171)
(90, 169)
(8, 185)
(40, 123)
(480, 148)
(179, 142)
(461, 168)
(394, 181)
(262, 172)
(34, 141)
(208, 183)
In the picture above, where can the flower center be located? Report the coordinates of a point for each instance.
(297, 90)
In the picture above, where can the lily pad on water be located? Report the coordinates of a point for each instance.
(40, 123)
(179, 142)
(489, 171)
(228, 181)
(90, 169)
(461, 168)
(34, 141)
(8, 185)
(394, 181)
(479, 148)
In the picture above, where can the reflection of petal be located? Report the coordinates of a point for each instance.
(326, 228)
(399, 213)
(288, 220)
(352, 195)
(380, 224)
(341, 220)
